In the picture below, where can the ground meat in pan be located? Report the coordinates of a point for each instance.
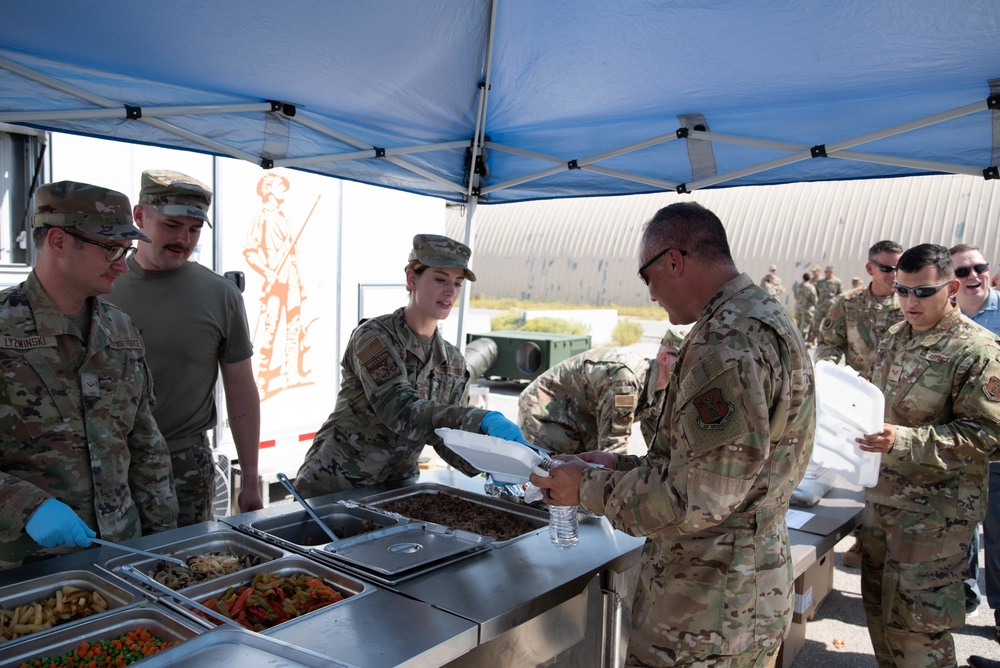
(458, 513)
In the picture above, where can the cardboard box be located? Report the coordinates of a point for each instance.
(812, 587)
(794, 641)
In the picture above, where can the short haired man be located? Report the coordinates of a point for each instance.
(981, 302)
(81, 452)
(716, 585)
(589, 401)
(805, 307)
(940, 375)
(827, 288)
(858, 319)
(194, 324)
(772, 282)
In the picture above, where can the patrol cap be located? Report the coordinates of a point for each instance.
(773, 267)
(435, 250)
(673, 338)
(175, 194)
(98, 211)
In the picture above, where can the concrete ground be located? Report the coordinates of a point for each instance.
(837, 637)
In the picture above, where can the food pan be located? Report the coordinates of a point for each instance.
(531, 517)
(161, 623)
(297, 532)
(226, 542)
(235, 647)
(285, 566)
(39, 589)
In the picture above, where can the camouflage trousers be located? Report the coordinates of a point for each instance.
(755, 657)
(804, 318)
(194, 482)
(912, 567)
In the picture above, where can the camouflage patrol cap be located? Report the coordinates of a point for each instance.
(673, 338)
(175, 194)
(773, 267)
(435, 250)
(98, 211)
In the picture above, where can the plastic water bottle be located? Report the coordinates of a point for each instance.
(564, 522)
(564, 526)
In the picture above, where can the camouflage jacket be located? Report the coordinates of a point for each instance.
(589, 401)
(79, 431)
(942, 391)
(855, 323)
(712, 492)
(390, 402)
(772, 284)
(826, 290)
(805, 296)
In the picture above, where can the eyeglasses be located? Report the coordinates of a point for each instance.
(643, 268)
(884, 268)
(921, 292)
(114, 253)
(962, 272)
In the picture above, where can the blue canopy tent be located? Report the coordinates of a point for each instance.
(493, 101)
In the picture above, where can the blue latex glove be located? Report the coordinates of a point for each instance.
(495, 424)
(54, 524)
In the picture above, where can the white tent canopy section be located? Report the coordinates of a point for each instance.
(567, 98)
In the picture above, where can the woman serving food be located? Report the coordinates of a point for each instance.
(401, 381)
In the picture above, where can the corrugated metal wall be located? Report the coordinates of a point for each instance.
(583, 251)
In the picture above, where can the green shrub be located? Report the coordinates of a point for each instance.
(626, 332)
(506, 321)
(554, 325)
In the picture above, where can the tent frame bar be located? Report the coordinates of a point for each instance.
(473, 189)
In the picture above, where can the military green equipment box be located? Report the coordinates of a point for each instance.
(526, 355)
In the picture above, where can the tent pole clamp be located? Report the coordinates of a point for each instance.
(133, 113)
(991, 173)
(379, 152)
(682, 133)
(267, 163)
(993, 102)
(682, 188)
(284, 107)
(818, 151)
(573, 164)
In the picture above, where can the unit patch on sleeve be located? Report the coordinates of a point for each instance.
(992, 388)
(714, 411)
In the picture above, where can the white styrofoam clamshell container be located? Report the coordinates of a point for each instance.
(507, 461)
(847, 406)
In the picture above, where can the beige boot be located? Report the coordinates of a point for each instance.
(852, 558)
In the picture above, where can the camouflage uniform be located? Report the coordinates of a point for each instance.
(390, 402)
(772, 284)
(805, 309)
(589, 402)
(855, 323)
(826, 290)
(712, 492)
(76, 424)
(942, 390)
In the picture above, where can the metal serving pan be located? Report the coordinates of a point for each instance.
(226, 542)
(161, 623)
(537, 518)
(297, 532)
(236, 647)
(36, 590)
(285, 566)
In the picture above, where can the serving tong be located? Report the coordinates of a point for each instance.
(139, 576)
(283, 479)
(144, 553)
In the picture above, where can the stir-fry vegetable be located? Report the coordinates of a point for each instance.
(272, 599)
(128, 648)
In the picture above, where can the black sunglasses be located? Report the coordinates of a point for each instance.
(963, 272)
(921, 292)
(884, 268)
(643, 268)
(114, 253)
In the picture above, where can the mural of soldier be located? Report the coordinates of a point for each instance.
(270, 250)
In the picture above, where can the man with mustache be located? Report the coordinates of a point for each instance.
(193, 324)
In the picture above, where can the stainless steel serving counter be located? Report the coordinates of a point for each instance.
(517, 603)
